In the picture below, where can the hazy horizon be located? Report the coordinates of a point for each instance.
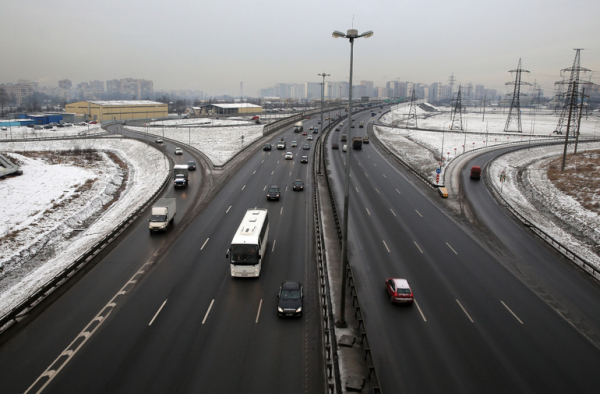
(213, 47)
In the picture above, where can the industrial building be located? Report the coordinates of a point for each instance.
(233, 109)
(117, 110)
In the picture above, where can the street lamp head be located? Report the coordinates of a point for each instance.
(352, 33)
(367, 34)
(337, 34)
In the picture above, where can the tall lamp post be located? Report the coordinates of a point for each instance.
(351, 34)
(322, 95)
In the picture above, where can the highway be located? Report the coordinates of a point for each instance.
(160, 313)
(484, 320)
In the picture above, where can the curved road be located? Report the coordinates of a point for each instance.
(476, 326)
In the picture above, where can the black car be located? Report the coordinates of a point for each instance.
(304, 159)
(192, 165)
(298, 185)
(290, 299)
(274, 193)
(335, 146)
(267, 146)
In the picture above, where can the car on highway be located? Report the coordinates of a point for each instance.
(158, 140)
(316, 130)
(335, 146)
(365, 140)
(288, 156)
(294, 144)
(280, 145)
(352, 125)
(304, 159)
(443, 192)
(344, 148)
(191, 165)
(337, 128)
(267, 146)
(309, 138)
(273, 193)
(298, 185)
(178, 151)
(290, 299)
(399, 291)
(306, 146)
(304, 133)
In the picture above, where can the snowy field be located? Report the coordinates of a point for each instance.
(217, 141)
(66, 200)
(527, 187)
(61, 205)
(23, 132)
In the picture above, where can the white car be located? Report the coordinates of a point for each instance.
(178, 151)
(288, 156)
(310, 138)
(344, 148)
(294, 144)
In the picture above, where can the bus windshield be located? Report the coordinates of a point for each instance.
(244, 254)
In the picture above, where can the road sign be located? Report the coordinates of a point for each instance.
(437, 170)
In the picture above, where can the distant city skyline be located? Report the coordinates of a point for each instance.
(212, 47)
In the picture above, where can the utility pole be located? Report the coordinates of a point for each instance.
(457, 113)
(412, 110)
(515, 103)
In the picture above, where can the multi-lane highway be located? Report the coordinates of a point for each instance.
(496, 310)
(161, 313)
(476, 326)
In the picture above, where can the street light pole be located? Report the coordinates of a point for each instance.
(322, 96)
(351, 34)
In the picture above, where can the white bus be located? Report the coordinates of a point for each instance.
(249, 244)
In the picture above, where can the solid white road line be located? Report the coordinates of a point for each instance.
(516, 317)
(157, 312)
(384, 244)
(204, 244)
(273, 248)
(464, 310)
(420, 311)
(451, 248)
(258, 313)
(208, 311)
(417, 245)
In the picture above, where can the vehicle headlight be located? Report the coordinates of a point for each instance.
(299, 310)
(280, 309)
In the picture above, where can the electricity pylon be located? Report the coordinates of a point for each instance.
(515, 104)
(457, 113)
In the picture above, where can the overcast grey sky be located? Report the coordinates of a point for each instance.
(214, 45)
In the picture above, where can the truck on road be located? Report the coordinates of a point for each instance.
(181, 174)
(162, 214)
(357, 142)
(298, 127)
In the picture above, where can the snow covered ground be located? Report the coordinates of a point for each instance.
(527, 187)
(64, 204)
(218, 139)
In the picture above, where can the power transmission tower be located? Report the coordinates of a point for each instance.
(412, 110)
(571, 96)
(457, 113)
(515, 104)
(451, 81)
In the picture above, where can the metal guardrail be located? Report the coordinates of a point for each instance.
(568, 253)
(38, 296)
(353, 290)
(574, 257)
